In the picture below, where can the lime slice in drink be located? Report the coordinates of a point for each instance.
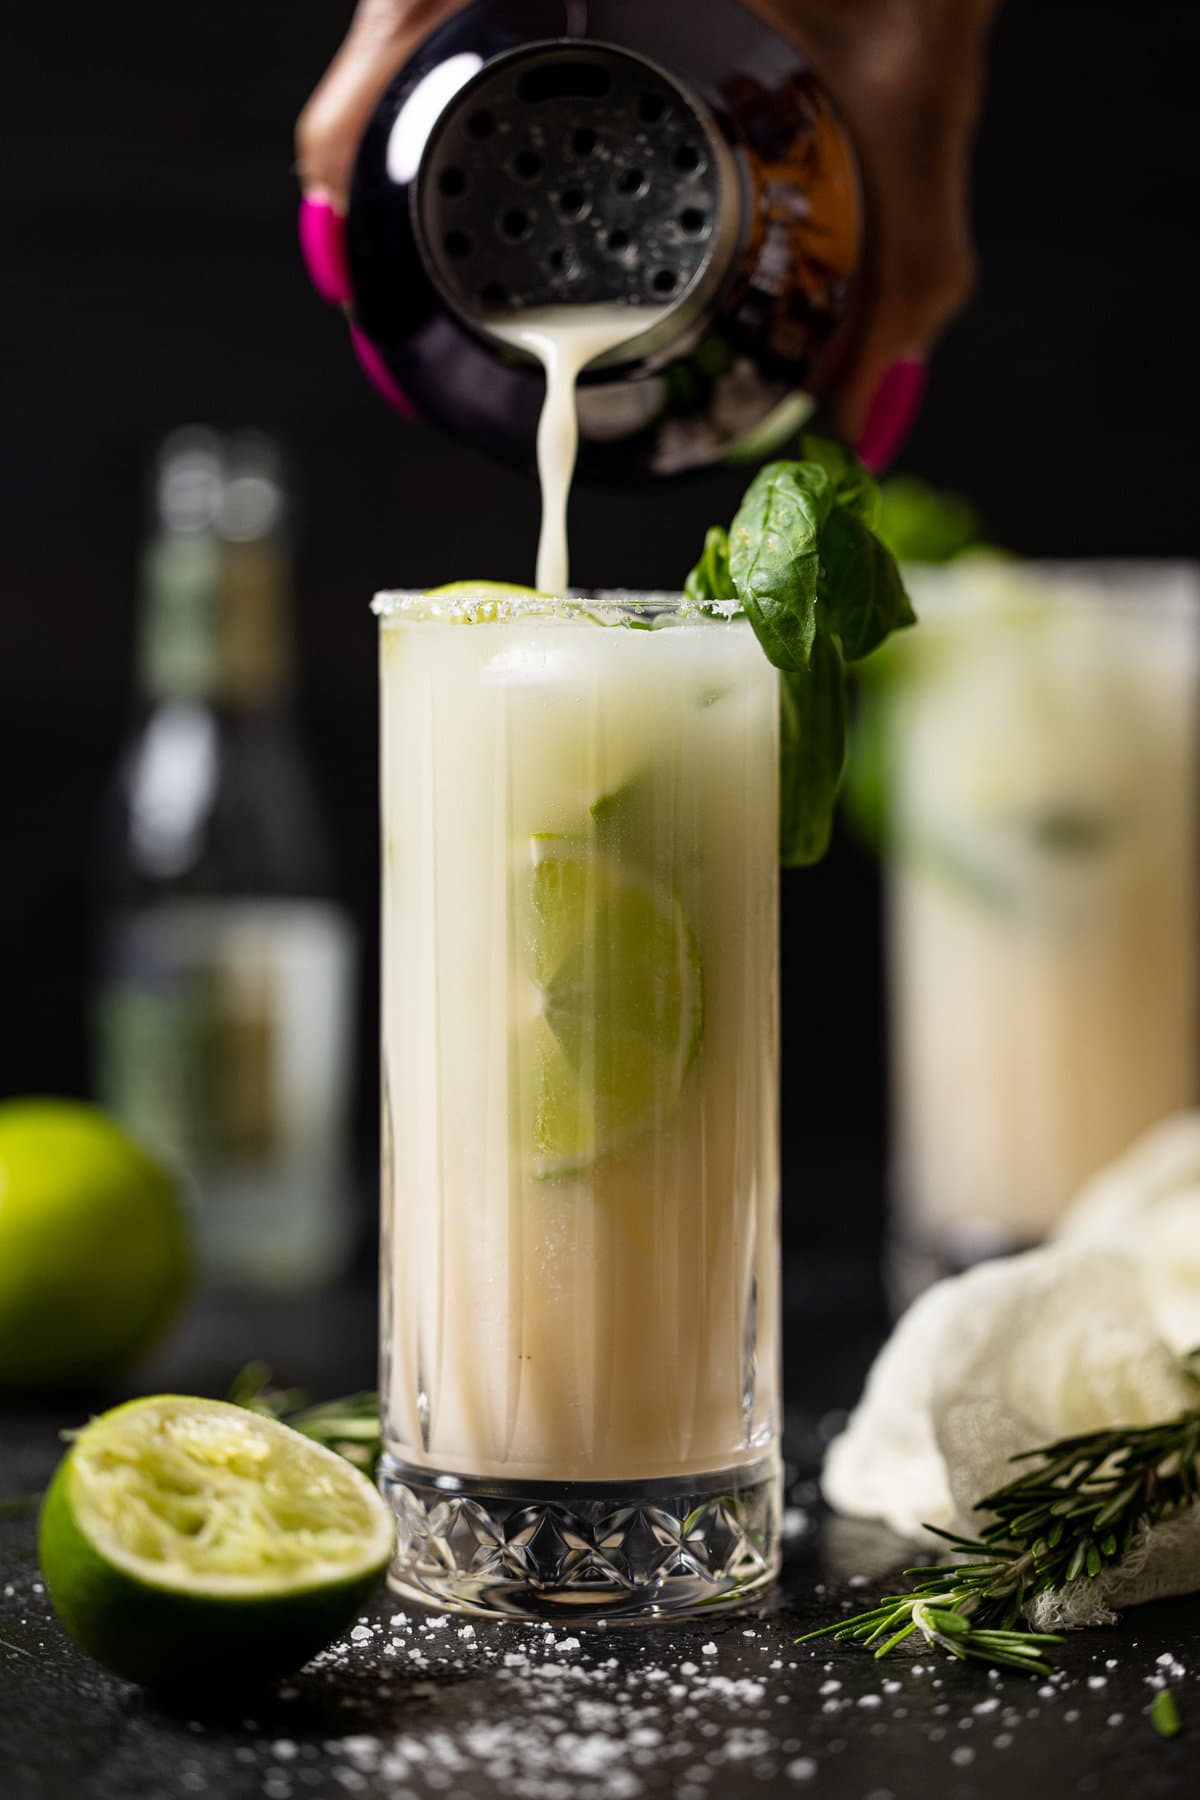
(619, 1006)
(191, 1545)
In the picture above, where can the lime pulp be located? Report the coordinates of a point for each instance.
(190, 1544)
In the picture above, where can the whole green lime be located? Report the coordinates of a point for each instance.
(194, 1546)
(93, 1250)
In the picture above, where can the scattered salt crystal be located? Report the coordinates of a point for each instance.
(708, 1649)
(360, 1634)
(1097, 1681)
(829, 1687)
(1115, 1719)
(803, 1769)
(962, 1755)
(1002, 1740)
(991, 1704)
(870, 1700)
(689, 1668)
(283, 1749)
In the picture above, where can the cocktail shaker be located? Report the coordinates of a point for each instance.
(534, 153)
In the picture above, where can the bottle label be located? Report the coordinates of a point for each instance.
(223, 1040)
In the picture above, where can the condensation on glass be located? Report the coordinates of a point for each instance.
(580, 1072)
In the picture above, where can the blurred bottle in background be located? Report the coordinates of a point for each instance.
(225, 965)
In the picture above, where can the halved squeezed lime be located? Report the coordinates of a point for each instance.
(190, 1544)
(619, 1006)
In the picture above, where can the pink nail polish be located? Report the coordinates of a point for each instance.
(323, 247)
(380, 376)
(894, 406)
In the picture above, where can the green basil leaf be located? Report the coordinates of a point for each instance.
(774, 557)
(820, 591)
(862, 593)
(812, 753)
(710, 579)
(853, 487)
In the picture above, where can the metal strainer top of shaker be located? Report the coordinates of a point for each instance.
(574, 174)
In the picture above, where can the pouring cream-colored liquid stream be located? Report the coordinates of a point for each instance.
(565, 340)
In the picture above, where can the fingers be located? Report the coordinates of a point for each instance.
(907, 76)
(382, 36)
(913, 108)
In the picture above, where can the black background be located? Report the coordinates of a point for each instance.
(150, 277)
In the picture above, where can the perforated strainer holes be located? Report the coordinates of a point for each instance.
(568, 174)
(563, 264)
(514, 224)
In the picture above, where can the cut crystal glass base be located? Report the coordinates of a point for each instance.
(584, 1550)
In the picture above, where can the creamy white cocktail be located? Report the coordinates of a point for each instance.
(580, 1046)
(1044, 894)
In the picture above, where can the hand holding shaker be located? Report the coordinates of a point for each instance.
(518, 162)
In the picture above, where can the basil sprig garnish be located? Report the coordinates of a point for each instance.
(820, 590)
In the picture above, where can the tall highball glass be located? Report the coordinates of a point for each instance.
(580, 1265)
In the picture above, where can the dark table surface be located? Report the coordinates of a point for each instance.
(417, 1706)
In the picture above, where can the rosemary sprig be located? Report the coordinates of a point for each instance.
(1078, 1511)
(350, 1426)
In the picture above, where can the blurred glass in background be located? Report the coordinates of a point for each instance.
(1035, 745)
(225, 964)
